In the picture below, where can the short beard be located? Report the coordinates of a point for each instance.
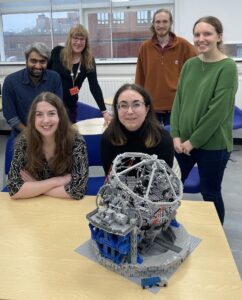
(39, 76)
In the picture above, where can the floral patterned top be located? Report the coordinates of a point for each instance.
(76, 188)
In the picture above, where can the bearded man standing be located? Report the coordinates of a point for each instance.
(159, 64)
(21, 87)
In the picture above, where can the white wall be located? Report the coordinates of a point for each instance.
(187, 12)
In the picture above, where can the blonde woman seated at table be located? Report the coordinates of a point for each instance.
(50, 157)
(134, 128)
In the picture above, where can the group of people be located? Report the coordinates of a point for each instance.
(192, 88)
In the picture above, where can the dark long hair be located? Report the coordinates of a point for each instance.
(152, 134)
(64, 139)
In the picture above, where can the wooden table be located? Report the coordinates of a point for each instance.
(37, 258)
(108, 101)
(91, 126)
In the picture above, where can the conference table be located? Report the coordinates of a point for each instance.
(91, 126)
(38, 259)
(108, 101)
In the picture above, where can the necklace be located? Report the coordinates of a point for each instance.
(76, 75)
(206, 61)
(204, 66)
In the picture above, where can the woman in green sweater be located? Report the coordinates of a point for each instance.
(202, 113)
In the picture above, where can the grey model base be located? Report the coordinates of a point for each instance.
(155, 263)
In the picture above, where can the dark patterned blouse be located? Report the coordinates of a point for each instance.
(76, 188)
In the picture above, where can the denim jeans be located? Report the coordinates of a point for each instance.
(164, 117)
(211, 165)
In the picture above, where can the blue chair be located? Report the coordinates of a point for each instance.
(167, 127)
(8, 158)
(94, 160)
(85, 111)
(237, 123)
(192, 183)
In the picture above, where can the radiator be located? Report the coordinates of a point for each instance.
(109, 86)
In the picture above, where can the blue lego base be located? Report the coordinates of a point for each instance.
(151, 282)
(174, 223)
(112, 246)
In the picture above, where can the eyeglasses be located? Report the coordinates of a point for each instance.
(135, 105)
(78, 38)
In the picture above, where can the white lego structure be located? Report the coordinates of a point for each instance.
(134, 230)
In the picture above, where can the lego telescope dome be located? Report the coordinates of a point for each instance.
(133, 228)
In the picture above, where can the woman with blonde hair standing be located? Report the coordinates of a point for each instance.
(74, 63)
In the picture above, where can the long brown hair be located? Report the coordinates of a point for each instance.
(65, 134)
(66, 53)
(152, 134)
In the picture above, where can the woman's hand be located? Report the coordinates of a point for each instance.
(187, 147)
(177, 145)
(107, 118)
(63, 180)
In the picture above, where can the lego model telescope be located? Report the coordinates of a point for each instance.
(134, 231)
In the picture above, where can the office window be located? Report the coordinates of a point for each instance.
(143, 17)
(117, 28)
(118, 18)
(233, 50)
(102, 18)
(29, 28)
(33, 27)
(62, 22)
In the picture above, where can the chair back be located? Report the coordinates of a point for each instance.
(93, 149)
(237, 122)
(8, 159)
(94, 159)
(192, 183)
(85, 111)
(167, 127)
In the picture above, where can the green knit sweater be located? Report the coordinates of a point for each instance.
(203, 108)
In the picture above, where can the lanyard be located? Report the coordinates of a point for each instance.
(77, 73)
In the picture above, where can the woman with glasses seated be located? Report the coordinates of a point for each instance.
(50, 156)
(75, 63)
(134, 128)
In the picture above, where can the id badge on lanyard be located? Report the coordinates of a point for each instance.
(75, 90)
